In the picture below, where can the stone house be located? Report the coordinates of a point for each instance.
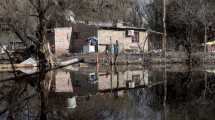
(130, 39)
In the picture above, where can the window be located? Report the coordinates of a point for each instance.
(75, 35)
(136, 79)
(135, 38)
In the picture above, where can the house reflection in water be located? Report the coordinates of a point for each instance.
(61, 90)
(66, 85)
(84, 83)
(63, 82)
(122, 80)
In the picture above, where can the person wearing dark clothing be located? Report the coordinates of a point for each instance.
(116, 51)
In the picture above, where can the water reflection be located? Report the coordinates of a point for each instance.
(112, 93)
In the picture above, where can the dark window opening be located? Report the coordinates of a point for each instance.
(136, 79)
(75, 35)
(135, 38)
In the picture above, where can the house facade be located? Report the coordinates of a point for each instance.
(62, 40)
(59, 39)
(81, 32)
(130, 39)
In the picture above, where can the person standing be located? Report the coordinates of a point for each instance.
(116, 51)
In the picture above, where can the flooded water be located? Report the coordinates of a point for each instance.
(110, 93)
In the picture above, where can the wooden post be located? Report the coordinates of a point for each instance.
(164, 50)
(97, 62)
(111, 54)
(164, 29)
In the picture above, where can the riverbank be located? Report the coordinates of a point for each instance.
(152, 58)
(177, 67)
(134, 59)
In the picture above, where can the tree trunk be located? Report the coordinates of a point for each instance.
(205, 45)
(143, 51)
(164, 28)
(189, 33)
(46, 58)
(190, 43)
(48, 54)
(206, 84)
(45, 55)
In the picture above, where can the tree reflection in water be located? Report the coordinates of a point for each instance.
(24, 98)
(186, 95)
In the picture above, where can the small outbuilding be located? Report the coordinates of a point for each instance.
(60, 40)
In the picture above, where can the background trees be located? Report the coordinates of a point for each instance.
(188, 22)
(29, 20)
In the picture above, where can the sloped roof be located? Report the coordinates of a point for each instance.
(123, 28)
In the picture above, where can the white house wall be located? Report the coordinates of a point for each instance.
(62, 40)
(125, 43)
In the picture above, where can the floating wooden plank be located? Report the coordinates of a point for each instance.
(2, 66)
(83, 65)
(68, 62)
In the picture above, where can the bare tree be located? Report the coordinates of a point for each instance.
(111, 11)
(188, 21)
(151, 13)
(183, 13)
(206, 17)
(29, 19)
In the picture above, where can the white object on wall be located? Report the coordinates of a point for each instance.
(130, 33)
(89, 49)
